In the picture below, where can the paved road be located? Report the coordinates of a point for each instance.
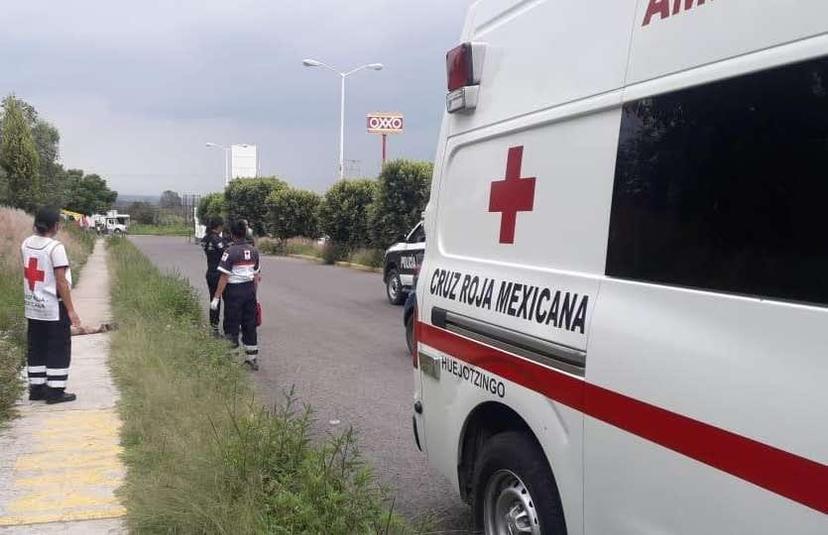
(330, 332)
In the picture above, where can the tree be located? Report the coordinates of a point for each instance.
(142, 212)
(246, 199)
(344, 212)
(47, 141)
(402, 194)
(88, 194)
(293, 212)
(210, 206)
(52, 175)
(170, 200)
(18, 157)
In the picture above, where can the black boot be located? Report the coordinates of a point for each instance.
(58, 395)
(37, 392)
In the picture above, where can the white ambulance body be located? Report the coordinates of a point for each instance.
(625, 297)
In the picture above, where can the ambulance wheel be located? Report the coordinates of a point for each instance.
(514, 490)
(394, 288)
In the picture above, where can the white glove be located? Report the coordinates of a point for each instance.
(214, 304)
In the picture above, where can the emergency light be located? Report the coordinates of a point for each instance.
(464, 65)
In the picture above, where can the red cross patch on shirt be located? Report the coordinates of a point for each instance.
(32, 274)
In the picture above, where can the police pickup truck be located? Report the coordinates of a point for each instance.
(400, 265)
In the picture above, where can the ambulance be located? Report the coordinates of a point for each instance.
(623, 309)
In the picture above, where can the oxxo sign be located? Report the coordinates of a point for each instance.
(385, 123)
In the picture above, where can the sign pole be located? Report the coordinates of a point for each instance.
(384, 124)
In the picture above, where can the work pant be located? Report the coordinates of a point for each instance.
(240, 315)
(49, 351)
(212, 283)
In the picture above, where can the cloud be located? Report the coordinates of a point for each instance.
(137, 88)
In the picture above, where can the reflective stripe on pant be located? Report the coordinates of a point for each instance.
(251, 353)
(240, 314)
(49, 351)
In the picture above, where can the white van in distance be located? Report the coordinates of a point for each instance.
(623, 310)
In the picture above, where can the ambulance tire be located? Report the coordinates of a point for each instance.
(394, 288)
(512, 470)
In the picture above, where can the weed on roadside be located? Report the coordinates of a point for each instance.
(202, 455)
(293, 246)
(367, 257)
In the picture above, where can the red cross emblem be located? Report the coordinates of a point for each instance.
(32, 274)
(512, 195)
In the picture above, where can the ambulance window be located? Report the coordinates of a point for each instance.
(725, 186)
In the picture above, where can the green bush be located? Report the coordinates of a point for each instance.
(202, 456)
(210, 206)
(344, 213)
(403, 190)
(293, 212)
(333, 252)
(246, 198)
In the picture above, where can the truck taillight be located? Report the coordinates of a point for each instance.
(463, 68)
(459, 67)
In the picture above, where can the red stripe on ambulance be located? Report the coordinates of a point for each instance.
(796, 478)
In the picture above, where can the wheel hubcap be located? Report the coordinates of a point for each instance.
(394, 287)
(508, 508)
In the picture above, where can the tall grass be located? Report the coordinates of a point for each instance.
(161, 230)
(202, 455)
(297, 246)
(15, 226)
(367, 257)
(329, 252)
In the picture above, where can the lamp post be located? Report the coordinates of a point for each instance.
(342, 76)
(226, 160)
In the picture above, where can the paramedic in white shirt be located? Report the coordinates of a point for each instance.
(47, 283)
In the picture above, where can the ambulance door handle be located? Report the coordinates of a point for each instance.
(430, 365)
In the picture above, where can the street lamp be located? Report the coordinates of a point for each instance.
(342, 75)
(226, 160)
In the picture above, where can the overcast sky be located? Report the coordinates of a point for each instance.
(137, 88)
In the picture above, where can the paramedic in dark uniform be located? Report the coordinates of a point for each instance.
(239, 268)
(47, 295)
(214, 245)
